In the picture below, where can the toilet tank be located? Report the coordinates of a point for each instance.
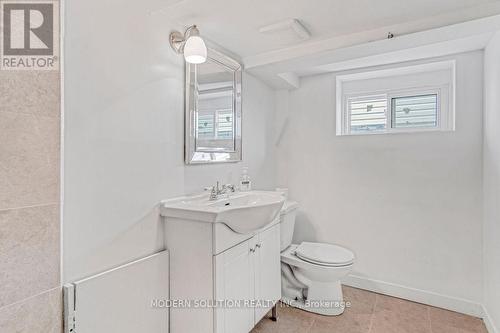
(287, 223)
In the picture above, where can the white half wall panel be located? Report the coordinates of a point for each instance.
(121, 299)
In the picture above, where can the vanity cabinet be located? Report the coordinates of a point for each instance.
(267, 269)
(209, 262)
(248, 271)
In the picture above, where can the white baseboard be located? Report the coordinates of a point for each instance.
(490, 326)
(417, 295)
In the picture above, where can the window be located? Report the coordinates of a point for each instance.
(206, 126)
(367, 113)
(392, 101)
(410, 111)
(415, 111)
(225, 124)
(216, 126)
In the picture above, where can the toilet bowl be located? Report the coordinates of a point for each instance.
(311, 272)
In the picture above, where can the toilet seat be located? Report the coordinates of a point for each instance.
(324, 254)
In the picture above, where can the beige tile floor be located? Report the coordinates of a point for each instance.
(373, 313)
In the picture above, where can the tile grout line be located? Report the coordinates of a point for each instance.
(31, 206)
(429, 315)
(30, 298)
(373, 313)
(311, 326)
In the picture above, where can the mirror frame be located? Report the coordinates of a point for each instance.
(191, 106)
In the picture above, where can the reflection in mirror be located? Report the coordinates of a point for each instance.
(215, 125)
(213, 110)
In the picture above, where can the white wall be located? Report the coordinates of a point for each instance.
(492, 183)
(124, 133)
(409, 205)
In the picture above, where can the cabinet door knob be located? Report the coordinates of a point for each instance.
(258, 245)
(252, 250)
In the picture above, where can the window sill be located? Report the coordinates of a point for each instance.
(430, 130)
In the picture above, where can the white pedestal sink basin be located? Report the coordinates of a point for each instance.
(243, 212)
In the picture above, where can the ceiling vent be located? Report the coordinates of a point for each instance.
(291, 25)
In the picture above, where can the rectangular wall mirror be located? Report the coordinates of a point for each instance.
(213, 110)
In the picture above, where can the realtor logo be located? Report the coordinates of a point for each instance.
(29, 35)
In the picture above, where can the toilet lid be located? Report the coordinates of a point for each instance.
(324, 254)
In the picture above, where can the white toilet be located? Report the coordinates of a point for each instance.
(311, 272)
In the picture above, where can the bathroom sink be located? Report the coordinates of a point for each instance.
(243, 212)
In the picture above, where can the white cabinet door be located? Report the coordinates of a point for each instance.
(234, 276)
(267, 269)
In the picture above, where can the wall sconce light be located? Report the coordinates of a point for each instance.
(190, 44)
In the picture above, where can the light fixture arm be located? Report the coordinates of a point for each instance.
(178, 39)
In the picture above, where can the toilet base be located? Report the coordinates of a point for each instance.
(322, 298)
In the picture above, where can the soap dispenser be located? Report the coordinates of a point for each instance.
(245, 182)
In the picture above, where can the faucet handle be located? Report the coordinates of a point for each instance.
(229, 187)
(213, 192)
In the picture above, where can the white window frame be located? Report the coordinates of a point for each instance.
(445, 102)
(442, 107)
(444, 117)
(346, 115)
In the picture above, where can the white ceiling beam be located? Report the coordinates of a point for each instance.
(325, 46)
(463, 37)
(291, 80)
(289, 24)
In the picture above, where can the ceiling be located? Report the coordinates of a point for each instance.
(235, 24)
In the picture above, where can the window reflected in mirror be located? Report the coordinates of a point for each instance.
(215, 125)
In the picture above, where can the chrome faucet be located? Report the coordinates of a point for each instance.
(216, 191)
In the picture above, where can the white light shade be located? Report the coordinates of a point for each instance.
(195, 50)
